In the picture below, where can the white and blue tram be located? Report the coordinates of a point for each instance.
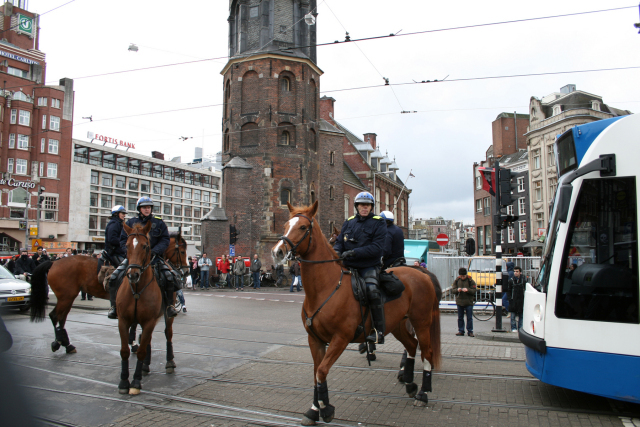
(581, 323)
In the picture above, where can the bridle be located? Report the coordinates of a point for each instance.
(292, 253)
(176, 253)
(138, 266)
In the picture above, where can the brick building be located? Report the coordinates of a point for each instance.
(35, 134)
(280, 141)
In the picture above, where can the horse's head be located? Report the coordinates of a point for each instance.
(176, 253)
(297, 233)
(138, 250)
(334, 235)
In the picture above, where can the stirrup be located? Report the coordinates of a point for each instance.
(379, 337)
(171, 311)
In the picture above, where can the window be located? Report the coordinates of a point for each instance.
(196, 195)
(285, 84)
(54, 123)
(53, 146)
(177, 192)
(386, 201)
(487, 206)
(196, 213)
(134, 166)
(93, 222)
(511, 236)
(479, 205)
(107, 179)
(510, 210)
(522, 229)
(12, 140)
(55, 103)
(538, 190)
(16, 213)
(133, 184)
(520, 184)
(285, 138)
(551, 156)
(17, 72)
(25, 118)
(521, 206)
(478, 182)
(44, 121)
(50, 207)
(120, 201)
(167, 209)
(377, 205)
(167, 190)
(43, 143)
(553, 185)
(501, 236)
(187, 193)
(10, 166)
(157, 188)
(23, 142)
(42, 102)
(145, 186)
(177, 210)
(131, 204)
(536, 159)
(93, 199)
(196, 230)
(487, 238)
(480, 240)
(19, 96)
(52, 170)
(105, 201)
(346, 206)
(95, 157)
(602, 242)
(539, 222)
(94, 178)
(187, 211)
(121, 164)
(205, 196)
(121, 182)
(332, 157)
(402, 213)
(14, 116)
(21, 167)
(285, 196)
(41, 171)
(331, 192)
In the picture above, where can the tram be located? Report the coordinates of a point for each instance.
(581, 324)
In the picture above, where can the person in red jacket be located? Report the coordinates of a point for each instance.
(224, 266)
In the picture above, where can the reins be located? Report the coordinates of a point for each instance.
(136, 294)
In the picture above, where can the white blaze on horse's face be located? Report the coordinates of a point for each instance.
(135, 243)
(281, 246)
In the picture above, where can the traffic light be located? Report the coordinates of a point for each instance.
(470, 247)
(40, 196)
(504, 221)
(233, 235)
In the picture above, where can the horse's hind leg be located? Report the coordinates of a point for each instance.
(168, 333)
(145, 342)
(426, 351)
(403, 335)
(58, 316)
(318, 351)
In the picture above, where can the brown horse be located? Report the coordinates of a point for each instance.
(67, 276)
(331, 314)
(140, 301)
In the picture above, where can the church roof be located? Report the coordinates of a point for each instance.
(237, 162)
(325, 126)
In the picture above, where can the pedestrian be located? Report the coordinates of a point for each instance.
(361, 245)
(297, 279)
(24, 264)
(39, 257)
(465, 288)
(515, 290)
(238, 272)
(11, 264)
(394, 243)
(416, 263)
(256, 265)
(224, 266)
(195, 272)
(505, 300)
(180, 296)
(204, 263)
(67, 253)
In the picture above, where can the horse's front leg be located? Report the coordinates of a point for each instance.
(168, 333)
(145, 345)
(336, 347)
(318, 350)
(123, 386)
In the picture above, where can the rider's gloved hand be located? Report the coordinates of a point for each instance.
(348, 254)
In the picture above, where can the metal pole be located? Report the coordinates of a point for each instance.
(498, 247)
(26, 219)
(400, 195)
(38, 218)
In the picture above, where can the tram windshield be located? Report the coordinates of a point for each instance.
(542, 281)
(600, 254)
(567, 159)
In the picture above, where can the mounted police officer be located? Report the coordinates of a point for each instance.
(159, 241)
(115, 254)
(361, 243)
(394, 243)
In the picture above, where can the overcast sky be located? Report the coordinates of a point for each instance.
(452, 128)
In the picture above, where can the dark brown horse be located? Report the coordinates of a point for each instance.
(140, 301)
(67, 276)
(331, 314)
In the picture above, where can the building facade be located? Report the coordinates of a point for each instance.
(35, 136)
(516, 236)
(182, 194)
(551, 116)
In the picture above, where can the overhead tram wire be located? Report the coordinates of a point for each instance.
(364, 39)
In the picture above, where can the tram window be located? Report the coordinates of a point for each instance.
(601, 254)
(566, 154)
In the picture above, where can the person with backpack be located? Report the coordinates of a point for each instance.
(465, 289)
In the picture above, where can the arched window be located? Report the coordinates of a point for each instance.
(313, 100)
(227, 146)
(285, 138)
(286, 134)
(249, 134)
(332, 158)
(285, 196)
(285, 84)
(250, 92)
(287, 93)
(346, 206)
(227, 97)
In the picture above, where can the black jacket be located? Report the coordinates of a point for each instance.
(24, 265)
(365, 235)
(515, 292)
(394, 244)
(43, 258)
(159, 234)
(112, 237)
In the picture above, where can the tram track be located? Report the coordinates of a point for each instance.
(336, 392)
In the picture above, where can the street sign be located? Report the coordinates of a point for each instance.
(22, 225)
(232, 250)
(442, 239)
(35, 243)
(33, 230)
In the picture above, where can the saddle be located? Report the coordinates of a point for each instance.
(390, 287)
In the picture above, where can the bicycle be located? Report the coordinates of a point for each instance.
(484, 308)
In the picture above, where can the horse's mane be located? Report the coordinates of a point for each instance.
(177, 235)
(137, 226)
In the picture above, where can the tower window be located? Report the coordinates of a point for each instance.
(285, 196)
(285, 84)
(285, 138)
(332, 158)
(226, 141)
(331, 192)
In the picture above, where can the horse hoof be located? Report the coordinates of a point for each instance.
(134, 348)
(362, 348)
(412, 389)
(123, 387)
(55, 346)
(145, 369)
(371, 357)
(169, 370)
(327, 413)
(421, 399)
(71, 349)
(123, 390)
(134, 391)
(306, 421)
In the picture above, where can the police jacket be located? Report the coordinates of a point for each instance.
(24, 264)
(394, 244)
(112, 237)
(159, 234)
(366, 236)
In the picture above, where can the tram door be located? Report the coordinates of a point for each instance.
(597, 297)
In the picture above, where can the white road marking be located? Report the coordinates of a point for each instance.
(259, 299)
(289, 301)
(274, 300)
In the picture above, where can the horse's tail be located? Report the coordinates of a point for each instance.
(435, 321)
(39, 291)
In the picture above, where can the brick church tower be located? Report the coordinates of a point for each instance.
(275, 146)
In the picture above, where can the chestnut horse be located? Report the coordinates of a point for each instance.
(331, 314)
(67, 276)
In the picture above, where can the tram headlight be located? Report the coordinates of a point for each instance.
(537, 313)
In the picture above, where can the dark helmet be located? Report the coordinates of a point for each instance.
(364, 197)
(144, 201)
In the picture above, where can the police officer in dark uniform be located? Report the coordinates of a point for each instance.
(159, 241)
(394, 244)
(114, 250)
(361, 244)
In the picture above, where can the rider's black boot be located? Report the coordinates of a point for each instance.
(113, 291)
(171, 310)
(377, 313)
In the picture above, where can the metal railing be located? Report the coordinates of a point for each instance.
(446, 270)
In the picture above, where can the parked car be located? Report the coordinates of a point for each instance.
(14, 293)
